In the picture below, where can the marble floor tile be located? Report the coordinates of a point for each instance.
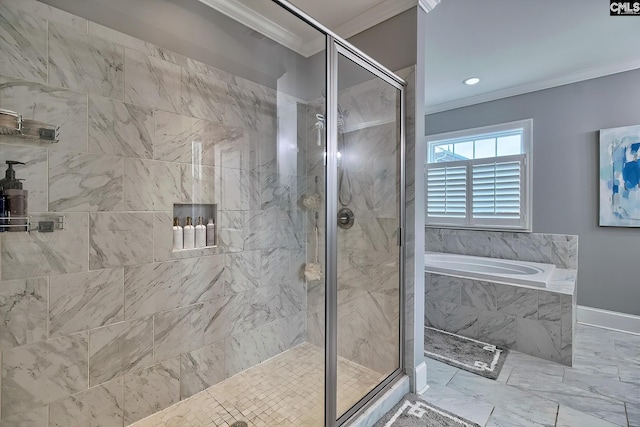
(520, 404)
(438, 373)
(35, 418)
(472, 409)
(630, 374)
(505, 416)
(573, 397)
(611, 388)
(633, 414)
(568, 417)
(626, 350)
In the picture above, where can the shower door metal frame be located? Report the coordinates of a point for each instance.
(336, 45)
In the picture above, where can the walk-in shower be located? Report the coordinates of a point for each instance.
(116, 321)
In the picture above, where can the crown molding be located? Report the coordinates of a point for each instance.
(534, 87)
(247, 16)
(252, 19)
(428, 5)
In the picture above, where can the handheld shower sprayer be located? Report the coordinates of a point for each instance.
(319, 128)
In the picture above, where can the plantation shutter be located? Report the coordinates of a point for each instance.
(497, 188)
(447, 191)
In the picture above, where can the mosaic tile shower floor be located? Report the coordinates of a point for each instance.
(286, 390)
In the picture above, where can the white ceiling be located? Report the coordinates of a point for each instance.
(519, 46)
(513, 46)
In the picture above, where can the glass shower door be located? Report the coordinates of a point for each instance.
(369, 219)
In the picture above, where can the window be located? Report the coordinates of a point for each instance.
(479, 178)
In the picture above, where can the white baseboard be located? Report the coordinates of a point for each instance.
(420, 377)
(608, 319)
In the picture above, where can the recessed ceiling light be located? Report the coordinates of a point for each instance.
(472, 81)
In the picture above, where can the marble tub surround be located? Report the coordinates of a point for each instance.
(102, 323)
(558, 249)
(539, 322)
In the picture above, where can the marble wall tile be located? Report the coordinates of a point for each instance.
(43, 11)
(564, 251)
(315, 328)
(99, 406)
(523, 246)
(23, 41)
(204, 95)
(151, 185)
(520, 302)
(117, 37)
(202, 184)
(433, 240)
(34, 172)
(461, 320)
(497, 328)
(230, 230)
(23, 310)
(227, 147)
(162, 239)
(479, 294)
(151, 288)
(549, 306)
(41, 254)
(242, 271)
(245, 350)
(275, 191)
(223, 318)
(43, 372)
(179, 331)
(538, 338)
(177, 139)
(201, 369)
(567, 325)
(34, 418)
(120, 129)
(119, 239)
(84, 62)
(151, 390)
(434, 314)
(444, 288)
(202, 278)
(274, 266)
(84, 182)
(119, 349)
(236, 187)
(60, 107)
(82, 301)
(269, 303)
(151, 82)
(250, 106)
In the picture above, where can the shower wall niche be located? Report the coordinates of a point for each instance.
(103, 323)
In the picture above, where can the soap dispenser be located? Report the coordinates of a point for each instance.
(178, 244)
(16, 199)
(189, 234)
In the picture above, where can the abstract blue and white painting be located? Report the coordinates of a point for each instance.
(620, 177)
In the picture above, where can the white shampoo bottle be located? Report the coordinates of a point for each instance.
(201, 234)
(189, 234)
(211, 233)
(177, 235)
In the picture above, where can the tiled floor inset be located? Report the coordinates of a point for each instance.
(287, 390)
(602, 388)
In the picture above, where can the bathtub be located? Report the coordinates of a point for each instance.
(491, 269)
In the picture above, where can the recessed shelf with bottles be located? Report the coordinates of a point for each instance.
(194, 227)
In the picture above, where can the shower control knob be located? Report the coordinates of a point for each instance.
(346, 218)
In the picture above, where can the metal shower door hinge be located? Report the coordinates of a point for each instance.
(400, 236)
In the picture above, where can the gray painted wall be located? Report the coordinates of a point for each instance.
(565, 175)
